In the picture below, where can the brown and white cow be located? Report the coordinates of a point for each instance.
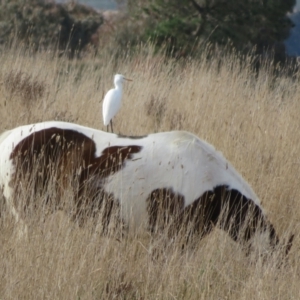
(163, 178)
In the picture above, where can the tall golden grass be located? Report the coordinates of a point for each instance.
(252, 118)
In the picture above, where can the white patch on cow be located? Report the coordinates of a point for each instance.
(177, 160)
(6, 171)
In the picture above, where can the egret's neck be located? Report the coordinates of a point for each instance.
(118, 86)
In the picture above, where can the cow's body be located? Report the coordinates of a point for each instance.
(188, 174)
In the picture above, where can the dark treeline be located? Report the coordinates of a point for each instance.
(183, 28)
(41, 24)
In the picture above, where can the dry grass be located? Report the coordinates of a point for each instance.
(253, 121)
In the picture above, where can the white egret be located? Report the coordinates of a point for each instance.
(112, 100)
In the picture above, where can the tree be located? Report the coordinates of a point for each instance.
(46, 24)
(182, 24)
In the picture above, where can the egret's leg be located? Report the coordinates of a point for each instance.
(111, 126)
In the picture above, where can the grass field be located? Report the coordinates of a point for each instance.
(253, 120)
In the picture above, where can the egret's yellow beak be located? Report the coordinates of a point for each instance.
(128, 79)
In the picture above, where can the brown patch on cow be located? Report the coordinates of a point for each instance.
(113, 159)
(163, 207)
(231, 211)
(228, 209)
(63, 158)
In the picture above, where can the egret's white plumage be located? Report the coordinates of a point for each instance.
(112, 100)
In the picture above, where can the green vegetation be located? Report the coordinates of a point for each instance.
(179, 27)
(42, 25)
(183, 24)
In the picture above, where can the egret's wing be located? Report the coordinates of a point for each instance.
(111, 105)
(107, 107)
